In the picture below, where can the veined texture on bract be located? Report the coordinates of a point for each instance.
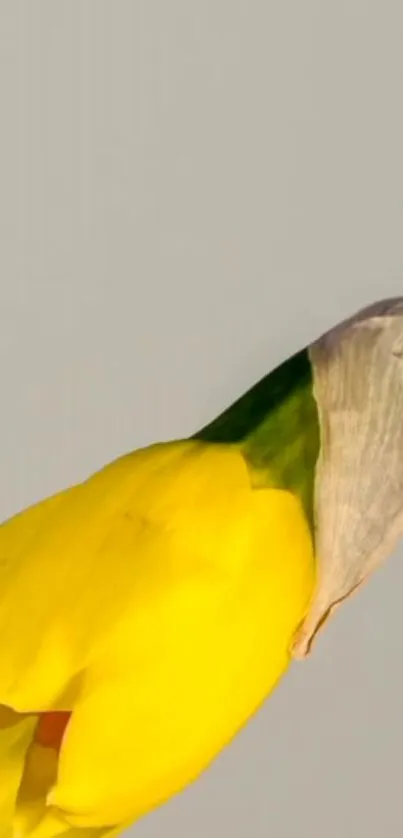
(358, 385)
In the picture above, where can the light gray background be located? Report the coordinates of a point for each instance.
(189, 192)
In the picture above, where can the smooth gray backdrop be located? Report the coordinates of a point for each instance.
(190, 190)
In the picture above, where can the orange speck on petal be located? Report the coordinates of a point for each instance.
(50, 728)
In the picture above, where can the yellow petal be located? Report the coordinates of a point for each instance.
(186, 667)
(39, 774)
(67, 565)
(32, 816)
(15, 735)
(157, 601)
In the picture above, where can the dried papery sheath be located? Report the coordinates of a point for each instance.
(358, 493)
